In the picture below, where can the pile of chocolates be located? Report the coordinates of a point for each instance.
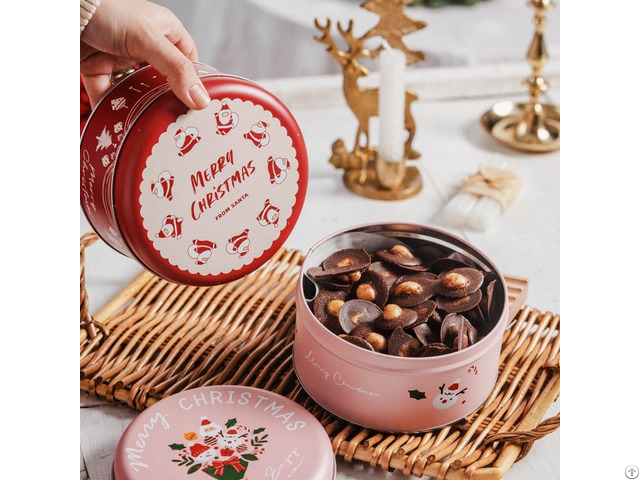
(406, 302)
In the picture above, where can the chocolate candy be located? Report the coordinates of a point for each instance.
(355, 312)
(459, 282)
(419, 302)
(414, 289)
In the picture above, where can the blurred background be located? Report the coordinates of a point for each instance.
(261, 39)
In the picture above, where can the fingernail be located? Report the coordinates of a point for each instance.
(199, 96)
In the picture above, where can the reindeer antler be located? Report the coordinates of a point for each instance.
(327, 39)
(356, 48)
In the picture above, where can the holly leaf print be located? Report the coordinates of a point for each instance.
(258, 430)
(194, 468)
(249, 457)
(417, 394)
(231, 422)
(176, 446)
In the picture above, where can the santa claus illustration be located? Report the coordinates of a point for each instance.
(449, 395)
(171, 227)
(209, 430)
(201, 250)
(258, 134)
(186, 138)
(163, 187)
(239, 244)
(269, 214)
(225, 119)
(277, 168)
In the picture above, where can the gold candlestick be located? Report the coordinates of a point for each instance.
(366, 174)
(531, 126)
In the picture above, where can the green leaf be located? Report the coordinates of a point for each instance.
(230, 423)
(176, 446)
(194, 468)
(258, 430)
(416, 394)
(263, 437)
(249, 457)
(177, 460)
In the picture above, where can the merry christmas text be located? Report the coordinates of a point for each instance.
(248, 399)
(206, 180)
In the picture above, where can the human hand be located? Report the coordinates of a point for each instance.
(124, 33)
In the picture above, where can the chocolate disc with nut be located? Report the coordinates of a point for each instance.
(328, 280)
(460, 282)
(413, 289)
(355, 312)
(445, 264)
(347, 264)
(457, 331)
(394, 316)
(363, 329)
(376, 283)
(457, 305)
(429, 254)
(401, 344)
(359, 342)
(425, 310)
(326, 306)
(433, 350)
(424, 333)
(401, 256)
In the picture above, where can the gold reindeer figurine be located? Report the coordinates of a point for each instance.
(359, 164)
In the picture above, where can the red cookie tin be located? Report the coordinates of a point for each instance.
(199, 197)
(227, 433)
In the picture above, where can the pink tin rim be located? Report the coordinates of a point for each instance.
(379, 361)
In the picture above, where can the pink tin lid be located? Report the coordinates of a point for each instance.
(227, 433)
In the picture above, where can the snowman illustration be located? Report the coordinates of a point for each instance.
(225, 453)
(171, 227)
(239, 244)
(258, 134)
(277, 168)
(225, 119)
(186, 138)
(201, 250)
(163, 187)
(269, 214)
(449, 395)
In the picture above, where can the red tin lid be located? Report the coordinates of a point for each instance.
(204, 197)
(227, 433)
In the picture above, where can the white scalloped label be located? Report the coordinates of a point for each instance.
(219, 187)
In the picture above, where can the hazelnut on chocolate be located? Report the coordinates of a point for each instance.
(394, 316)
(457, 332)
(462, 304)
(402, 257)
(377, 341)
(460, 282)
(402, 344)
(413, 289)
(355, 312)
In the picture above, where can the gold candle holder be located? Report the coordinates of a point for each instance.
(365, 172)
(531, 126)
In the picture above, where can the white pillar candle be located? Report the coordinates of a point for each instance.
(391, 98)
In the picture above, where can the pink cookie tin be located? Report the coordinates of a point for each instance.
(384, 392)
(199, 197)
(227, 433)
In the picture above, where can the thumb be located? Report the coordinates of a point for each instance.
(181, 74)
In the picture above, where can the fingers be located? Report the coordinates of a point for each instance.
(172, 63)
(96, 86)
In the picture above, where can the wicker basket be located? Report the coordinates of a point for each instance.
(156, 338)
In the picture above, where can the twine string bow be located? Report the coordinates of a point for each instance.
(499, 184)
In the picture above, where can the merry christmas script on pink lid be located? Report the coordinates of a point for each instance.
(225, 433)
(197, 197)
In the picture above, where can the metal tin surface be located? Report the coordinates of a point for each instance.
(197, 197)
(227, 433)
(383, 392)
